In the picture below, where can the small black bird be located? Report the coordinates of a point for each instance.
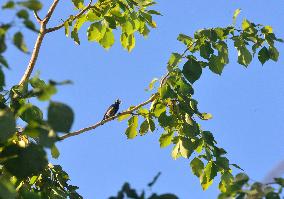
(112, 110)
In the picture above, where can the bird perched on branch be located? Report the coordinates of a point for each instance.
(112, 110)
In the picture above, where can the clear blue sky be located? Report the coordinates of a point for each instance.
(247, 104)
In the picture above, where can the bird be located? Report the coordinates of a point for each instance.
(112, 110)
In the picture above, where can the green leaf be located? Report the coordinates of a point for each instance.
(23, 14)
(55, 152)
(263, 55)
(206, 116)
(127, 41)
(19, 42)
(188, 41)
(75, 36)
(96, 32)
(166, 92)
(66, 27)
(222, 162)
(166, 139)
(3, 61)
(226, 180)
(236, 14)
(154, 12)
(7, 189)
(9, 5)
(210, 171)
(206, 50)
(131, 131)
(123, 117)
(208, 138)
(79, 4)
(152, 83)
(144, 127)
(192, 70)
(273, 53)
(151, 122)
(31, 113)
(31, 4)
(246, 24)
(30, 25)
(197, 166)
(2, 80)
(24, 162)
(237, 166)
(244, 56)
(60, 117)
(108, 39)
(7, 125)
(216, 64)
(174, 60)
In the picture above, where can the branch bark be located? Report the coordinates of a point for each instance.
(83, 130)
(72, 18)
(38, 42)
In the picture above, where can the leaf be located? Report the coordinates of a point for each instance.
(55, 152)
(152, 83)
(244, 56)
(174, 60)
(237, 166)
(31, 4)
(75, 36)
(8, 5)
(7, 125)
(24, 162)
(263, 55)
(222, 162)
(208, 137)
(66, 27)
(166, 139)
(131, 131)
(79, 4)
(96, 32)
(273, 53)
(108, 39)
(197, 166)
(226, 180)
(206, 116)
(166, 92)
(236, 14)
(144, 127)
(154, 12)
(192, 70)
(3, 61)
(2, 80)
(19, 42)
(151, 124)
(23, 14)
(7, 189)
(123, 117)
(246, 24)
(188, 41)
(210, 171)
(127, 41)
(216, 65)
(60, 117)
(31, 113)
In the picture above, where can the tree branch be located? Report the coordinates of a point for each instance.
(50, 11)
(83, 130)
(38, 42)
(72, 18)
(39, 20)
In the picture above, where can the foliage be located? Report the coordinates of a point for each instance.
(24, 168)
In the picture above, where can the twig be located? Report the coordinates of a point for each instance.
(73, 18)
(39, 20)
(50, 11)
(38, 42)
(78, 132)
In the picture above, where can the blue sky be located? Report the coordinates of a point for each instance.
(247, 104)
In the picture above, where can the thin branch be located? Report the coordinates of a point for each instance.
(83, 130)
(72, 18)
(39, 20)
(50, 11)
(34, 57)
(38, 42)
